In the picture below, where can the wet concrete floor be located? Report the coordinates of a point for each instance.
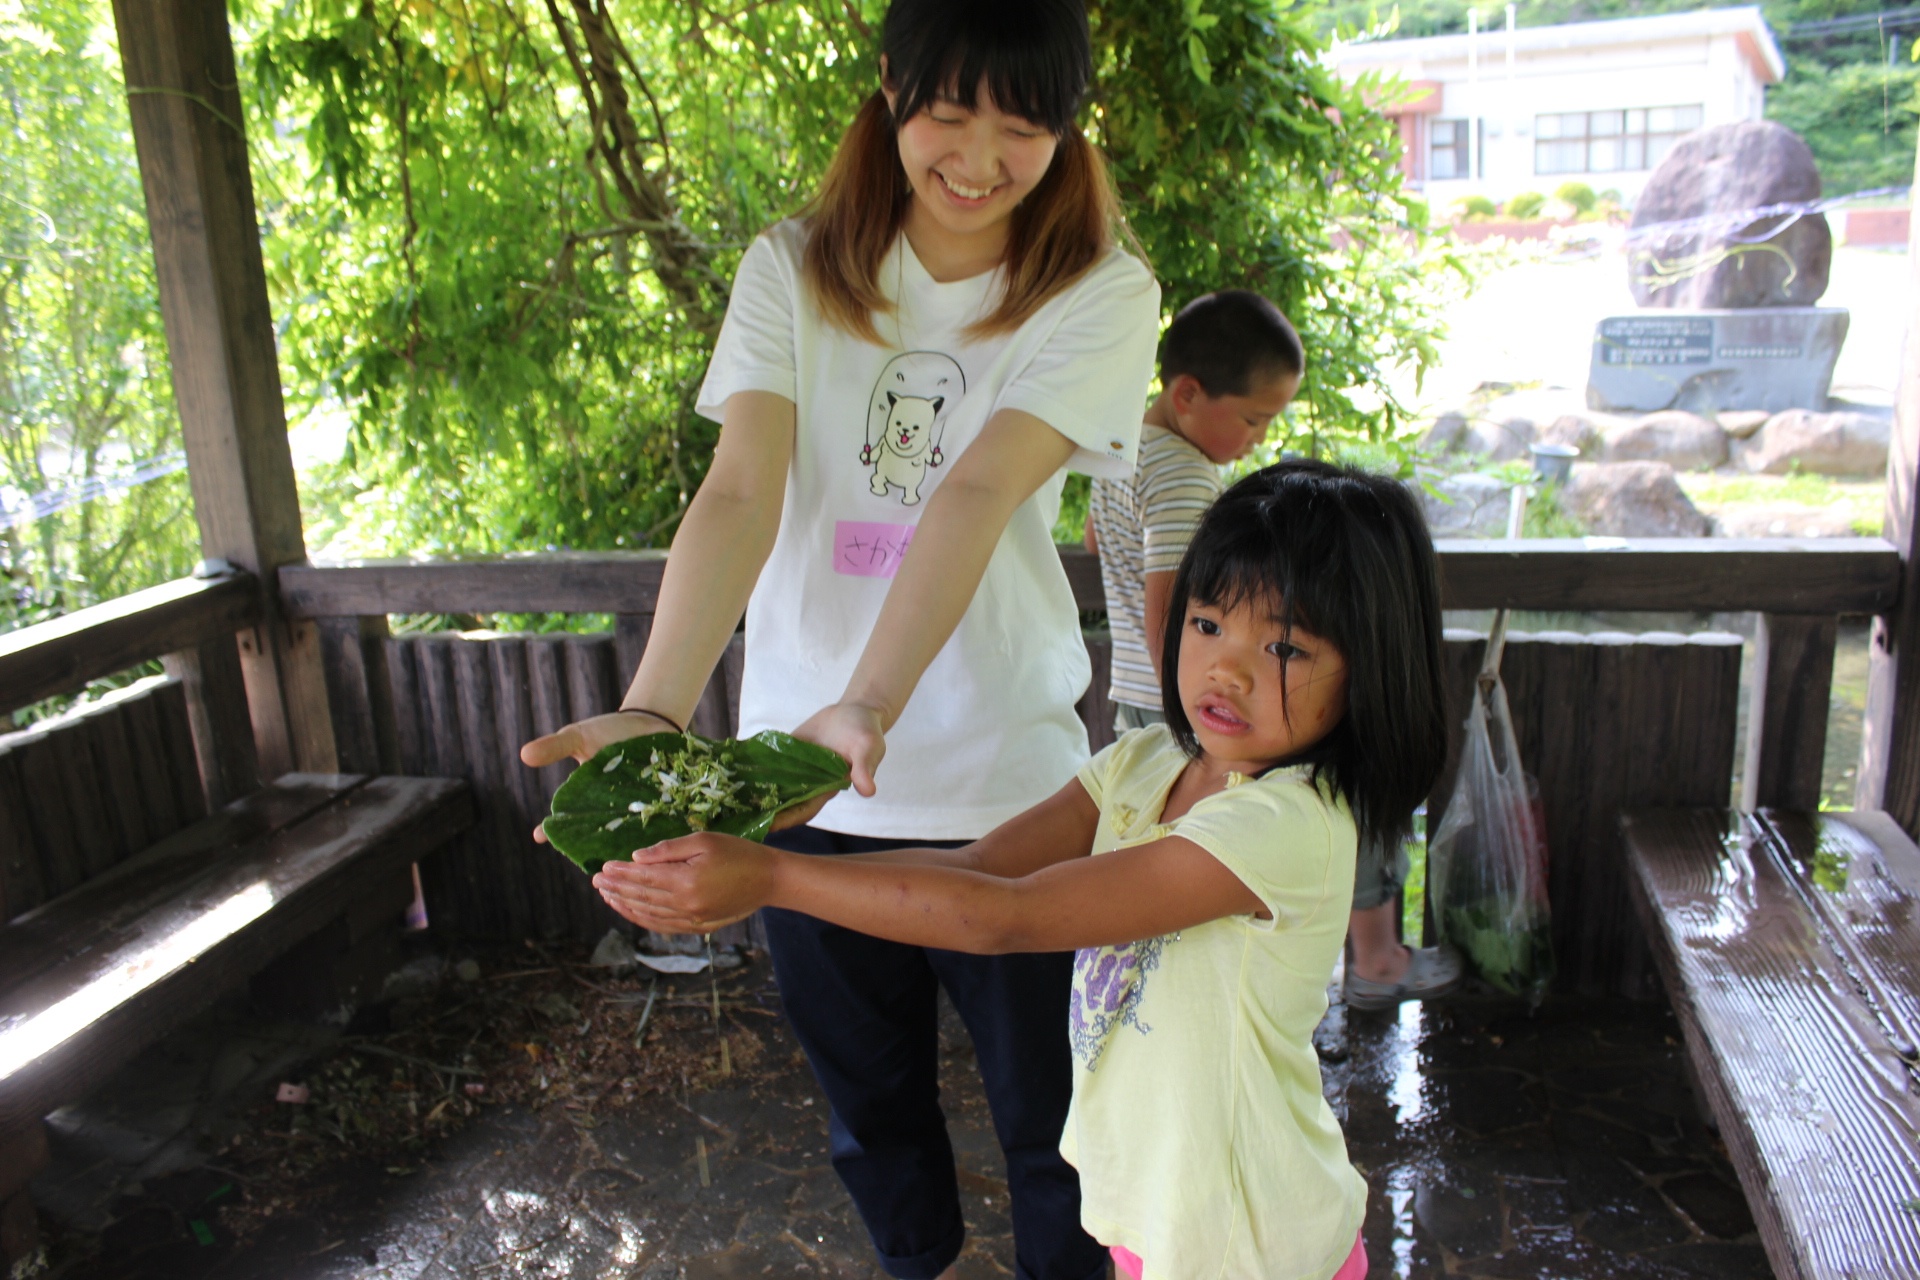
(1565, 1144)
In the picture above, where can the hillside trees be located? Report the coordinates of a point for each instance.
(86, 406)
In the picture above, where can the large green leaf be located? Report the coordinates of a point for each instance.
(663, 785)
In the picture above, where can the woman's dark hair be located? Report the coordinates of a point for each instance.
(1034, 59)
(1226, 341)
(1344, 554)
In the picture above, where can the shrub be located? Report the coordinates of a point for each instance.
(1527, 204)
(1577, 194)
(1476, 207)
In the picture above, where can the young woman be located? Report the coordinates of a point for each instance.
(1204, 868)
(904, 376)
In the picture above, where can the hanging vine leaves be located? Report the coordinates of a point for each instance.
(500, 231)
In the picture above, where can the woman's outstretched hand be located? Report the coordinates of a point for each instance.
(854, 730)
(695, 884)
(583, 738)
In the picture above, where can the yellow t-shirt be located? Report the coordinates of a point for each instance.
(1198, 1126)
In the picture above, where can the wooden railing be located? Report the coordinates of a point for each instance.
(1606, 721)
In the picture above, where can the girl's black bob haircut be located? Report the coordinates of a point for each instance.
(1345, 554)
(1033, 56)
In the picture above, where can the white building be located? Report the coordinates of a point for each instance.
(1504, 111)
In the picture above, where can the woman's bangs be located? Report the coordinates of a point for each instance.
(1024, 72)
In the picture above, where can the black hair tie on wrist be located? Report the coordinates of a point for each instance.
(642, 711)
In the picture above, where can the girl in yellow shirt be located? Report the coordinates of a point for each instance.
(1202, 869)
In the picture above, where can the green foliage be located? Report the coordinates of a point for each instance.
(1477, 206)
(661, 786)
(1527, 204)
(518, 335)
(1226, 163)
(1859, 120)
(1578, 196)
(84, 391)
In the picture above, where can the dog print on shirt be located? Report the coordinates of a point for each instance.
(904, 421)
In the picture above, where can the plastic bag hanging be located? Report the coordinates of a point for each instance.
(1487, 861)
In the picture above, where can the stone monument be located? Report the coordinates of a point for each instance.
(1727, 319)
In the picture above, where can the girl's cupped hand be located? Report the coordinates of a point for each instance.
(695, 884)
(856, 731)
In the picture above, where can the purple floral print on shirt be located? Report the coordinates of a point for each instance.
(1107, 985)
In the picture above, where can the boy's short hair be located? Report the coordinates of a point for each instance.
(1226, 341)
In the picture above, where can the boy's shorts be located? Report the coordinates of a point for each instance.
(1378, 873)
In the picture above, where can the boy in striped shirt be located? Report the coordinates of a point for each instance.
(1229, 365)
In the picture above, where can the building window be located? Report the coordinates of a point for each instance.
(1450, 152)
(1609, 141)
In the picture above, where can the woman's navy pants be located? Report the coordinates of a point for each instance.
(865, 1011)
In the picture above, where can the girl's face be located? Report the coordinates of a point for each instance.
(1255, 691)
(969, 168)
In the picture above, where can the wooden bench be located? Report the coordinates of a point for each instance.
(1790, 946)
(95, 975)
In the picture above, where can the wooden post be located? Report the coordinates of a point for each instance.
(183, 96)
(1889, 776)
(1787, 727)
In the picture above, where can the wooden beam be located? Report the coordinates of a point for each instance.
(1775, 575)
(1889, 776)
(1787, 727)
(620, 582)
(184, 100)
(63, 655)
(1660, 575)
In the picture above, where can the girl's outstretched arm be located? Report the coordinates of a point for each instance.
(694, 884)
(1012, 457)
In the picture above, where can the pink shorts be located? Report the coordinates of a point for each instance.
(1354, 1268)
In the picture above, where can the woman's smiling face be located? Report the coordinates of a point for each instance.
(1255, 690)
(969, 167)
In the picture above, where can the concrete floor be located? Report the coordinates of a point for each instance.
(1496, 1145)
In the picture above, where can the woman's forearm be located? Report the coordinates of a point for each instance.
(722, 544)
(1014, 455)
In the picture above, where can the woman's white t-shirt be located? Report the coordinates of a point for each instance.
(991, 729)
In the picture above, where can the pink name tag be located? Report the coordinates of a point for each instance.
(866, 549)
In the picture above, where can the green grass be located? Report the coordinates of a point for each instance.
(1864, 501)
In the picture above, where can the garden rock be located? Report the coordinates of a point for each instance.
(1469, 506)
(1444, 434)
(1741, 423)
(1497, 440)
(1722, 171)
(1828, 444)
(1575, 430)
(1684, 441)
(1785, 520)
(1632, 500)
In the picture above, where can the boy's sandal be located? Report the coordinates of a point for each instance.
(1433, 972)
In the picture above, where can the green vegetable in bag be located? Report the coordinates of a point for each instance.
(664, 785)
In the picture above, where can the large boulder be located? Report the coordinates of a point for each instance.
(1828, 444)
(1466, 506)
(1722, 260)
(1684, 441)
(1576, 430)
(1632, 500)
(1739, 424)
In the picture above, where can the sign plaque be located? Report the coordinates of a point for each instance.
(1769, 358)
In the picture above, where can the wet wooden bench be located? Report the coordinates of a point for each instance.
(1790, 946)
(95, 975)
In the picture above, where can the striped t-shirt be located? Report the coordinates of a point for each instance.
(1143, 526)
